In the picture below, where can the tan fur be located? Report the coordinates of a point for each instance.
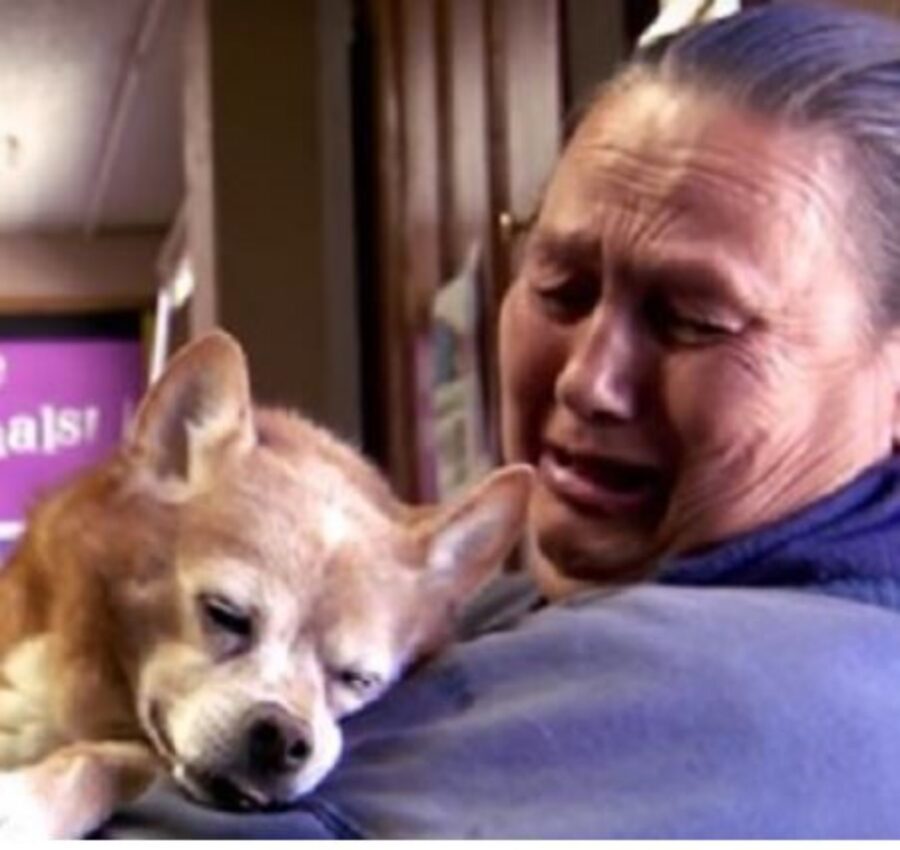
(118, 583)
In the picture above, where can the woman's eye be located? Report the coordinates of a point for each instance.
(570, 298)
(696, 330)
(222, 615)
(682, 328)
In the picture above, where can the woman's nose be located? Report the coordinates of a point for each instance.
(603, 371)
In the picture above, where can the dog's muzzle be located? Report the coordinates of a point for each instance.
(254, 767)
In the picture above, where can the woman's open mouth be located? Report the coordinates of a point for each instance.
(599, 484)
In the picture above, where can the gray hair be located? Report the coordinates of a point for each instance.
(819, 67)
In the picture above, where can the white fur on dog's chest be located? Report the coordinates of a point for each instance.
(26, 717)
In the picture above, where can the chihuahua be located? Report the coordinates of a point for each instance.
(211, 601)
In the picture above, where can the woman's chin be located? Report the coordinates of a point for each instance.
(573, 550)
(550, 581)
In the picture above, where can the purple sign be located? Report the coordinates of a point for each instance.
(63, 405)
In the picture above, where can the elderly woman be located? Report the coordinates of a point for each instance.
(701, 358)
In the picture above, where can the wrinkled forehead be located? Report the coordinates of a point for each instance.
(674, 161)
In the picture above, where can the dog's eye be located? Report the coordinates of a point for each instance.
(356, 680)
(222, 615)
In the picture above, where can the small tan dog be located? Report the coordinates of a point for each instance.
(213, 599)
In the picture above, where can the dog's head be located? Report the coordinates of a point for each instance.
(280, 586)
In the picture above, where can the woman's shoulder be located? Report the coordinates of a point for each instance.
(724, 629)
(751, 618)
(709, 643)
(652, 711)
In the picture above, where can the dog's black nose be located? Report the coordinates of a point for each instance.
(277, 742)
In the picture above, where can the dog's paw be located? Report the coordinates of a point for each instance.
(24, 816)
(73, 791)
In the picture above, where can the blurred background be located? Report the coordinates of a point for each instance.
(342, 184)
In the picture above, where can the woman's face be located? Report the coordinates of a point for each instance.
(687, 352)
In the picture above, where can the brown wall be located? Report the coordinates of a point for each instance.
(267, 147)
(468, 100)
(51, 273)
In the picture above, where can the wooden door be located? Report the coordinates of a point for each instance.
(465, 97)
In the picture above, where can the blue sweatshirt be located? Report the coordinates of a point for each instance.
(750, 692)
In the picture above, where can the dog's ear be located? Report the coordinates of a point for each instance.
(468, 540)
(197, 414)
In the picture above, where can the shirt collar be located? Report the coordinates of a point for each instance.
(846, 539)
